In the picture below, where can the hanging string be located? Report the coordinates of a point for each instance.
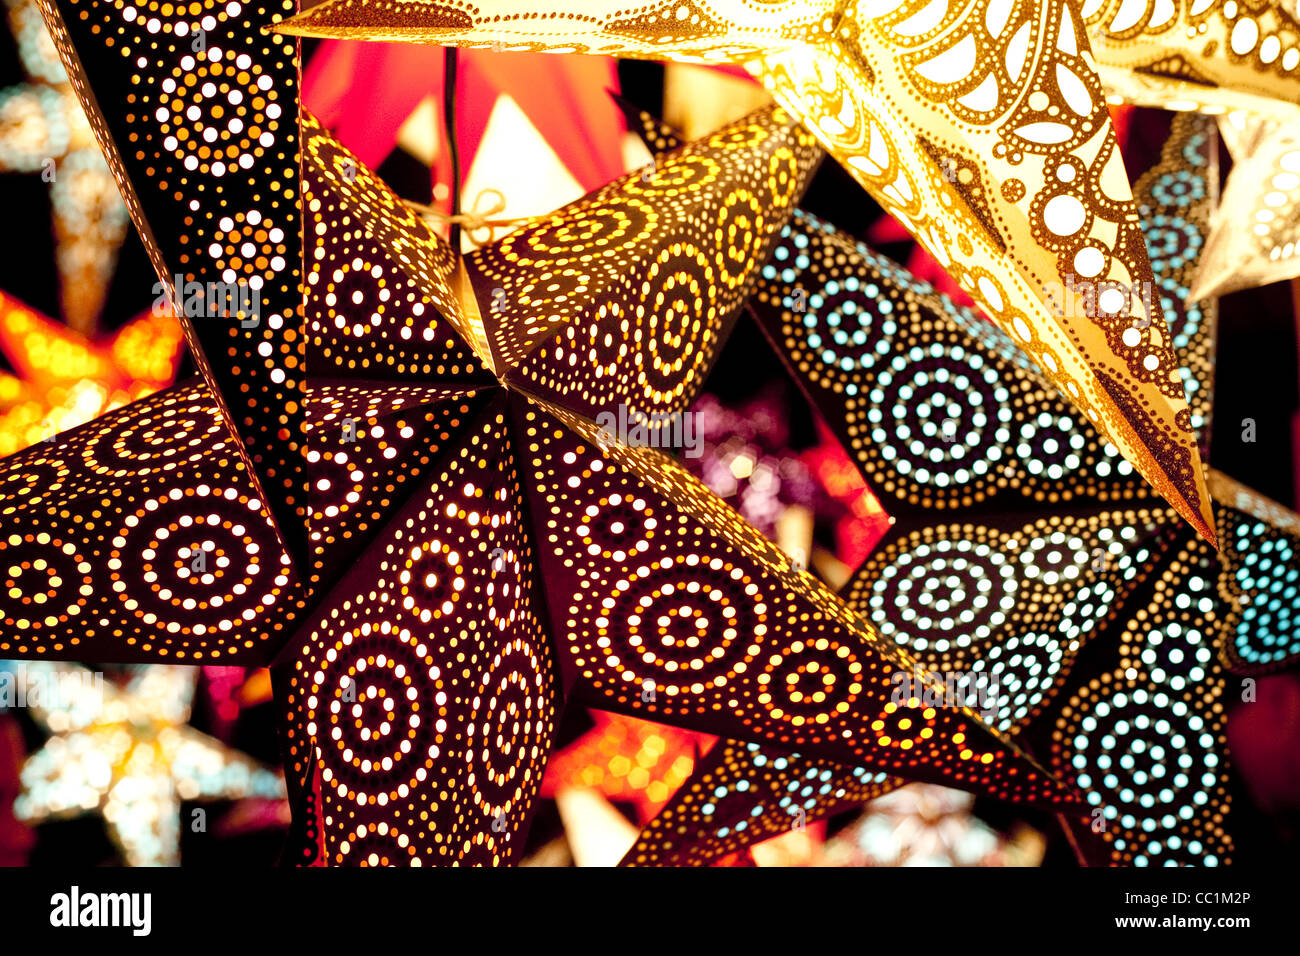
(453, 151)
(479, 224)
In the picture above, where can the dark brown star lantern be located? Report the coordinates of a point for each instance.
(197, 114)
(554, 562)
(491, 525)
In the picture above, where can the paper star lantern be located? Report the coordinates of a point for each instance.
(427, 662)
(43, 130)
(986, 135)
(625, 759)
(1195, 55)
(1260, 583)
(128, 755)
(1256, 239)
(65, 379)
(1105, 614)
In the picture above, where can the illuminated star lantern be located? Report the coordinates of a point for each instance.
(1256, 239)
(1100, 621)
(652, 580)
(1240, 61)
(424, 661)
(65, 379)
(43, 130)
(1212, 56)
(625, 759)
(127, 754)
(983, 130)
(744, 457)
(920, 825)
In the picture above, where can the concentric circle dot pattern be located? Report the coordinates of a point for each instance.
(940, 408)
(621, 298)
(1006, 611)
(423, 704)
(680, 611)
(1146, 740)
(154, 547)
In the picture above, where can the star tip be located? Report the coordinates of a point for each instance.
(1207, 284)
(1204, 525)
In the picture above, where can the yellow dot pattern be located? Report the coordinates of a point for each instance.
(151, 545)
(202, 138)
(422, 702)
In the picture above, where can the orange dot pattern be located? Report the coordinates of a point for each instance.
(426, 655)
(623, 296)
(200, 130)
(137, 537)
(367, 445)
(421, 702)
(426, 583)
(669, 606)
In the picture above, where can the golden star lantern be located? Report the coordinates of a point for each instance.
(1241, 62)
(1256, 237)
(128, 755)
(1210, 56)
(981, 127)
